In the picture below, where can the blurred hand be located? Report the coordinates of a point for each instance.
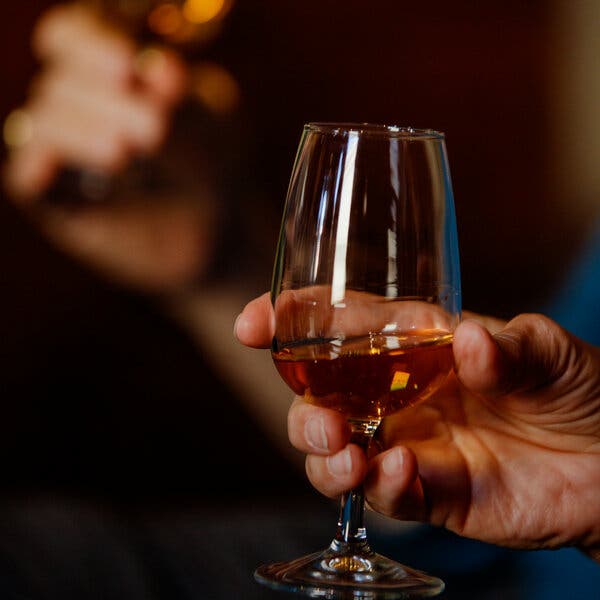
(97, 103)
(507, 452)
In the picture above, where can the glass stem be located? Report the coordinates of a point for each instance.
(351, 529)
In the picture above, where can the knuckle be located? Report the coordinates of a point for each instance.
(46, 26)
(149, 129)
(110, 152)
(157, 132)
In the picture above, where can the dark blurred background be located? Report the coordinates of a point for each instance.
(513, 84)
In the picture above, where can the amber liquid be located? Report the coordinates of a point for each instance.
(368, 377)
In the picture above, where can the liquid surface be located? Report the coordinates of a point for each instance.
(368, 377)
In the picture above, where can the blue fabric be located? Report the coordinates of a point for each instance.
(482, 571)
(576, 306)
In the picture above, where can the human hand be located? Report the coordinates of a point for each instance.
(508, 451)
(96, 104)
(96, 101)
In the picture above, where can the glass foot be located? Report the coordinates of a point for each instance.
(348, 575)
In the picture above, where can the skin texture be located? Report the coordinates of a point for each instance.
(507, 451)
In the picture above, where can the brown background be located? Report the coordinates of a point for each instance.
(484, 73)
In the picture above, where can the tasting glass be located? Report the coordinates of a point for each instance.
(366, 296)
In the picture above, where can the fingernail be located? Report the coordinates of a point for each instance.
(392, 463)
(235, 326)
(314, 431)
(340, 464)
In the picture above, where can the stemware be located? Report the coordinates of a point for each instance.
(366, 296)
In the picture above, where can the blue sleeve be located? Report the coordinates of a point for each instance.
(576, 305)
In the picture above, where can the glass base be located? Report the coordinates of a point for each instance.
(350, 574)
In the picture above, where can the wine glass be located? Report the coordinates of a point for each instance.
(366, 296)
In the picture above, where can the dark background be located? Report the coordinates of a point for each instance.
(484, 73)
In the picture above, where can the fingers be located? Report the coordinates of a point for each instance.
(162, 74)
(87, 128)
(334, 474)
(107, 53)
(530, 352)
(81, 105)
(100, 48)
(94, 108)
(255, 325)
(393, 487)
(26, 174)
(332, 464)
(477, 358)
(492, 324)
(316, 430)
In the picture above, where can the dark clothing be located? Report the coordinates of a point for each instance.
(129, 468)
(102, 392)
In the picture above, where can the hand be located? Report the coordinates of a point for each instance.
(97, 103)
(507, 452)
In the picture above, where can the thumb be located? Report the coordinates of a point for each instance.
(255, 325)
(531, 352)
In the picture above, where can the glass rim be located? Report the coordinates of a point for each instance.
(344, 128)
